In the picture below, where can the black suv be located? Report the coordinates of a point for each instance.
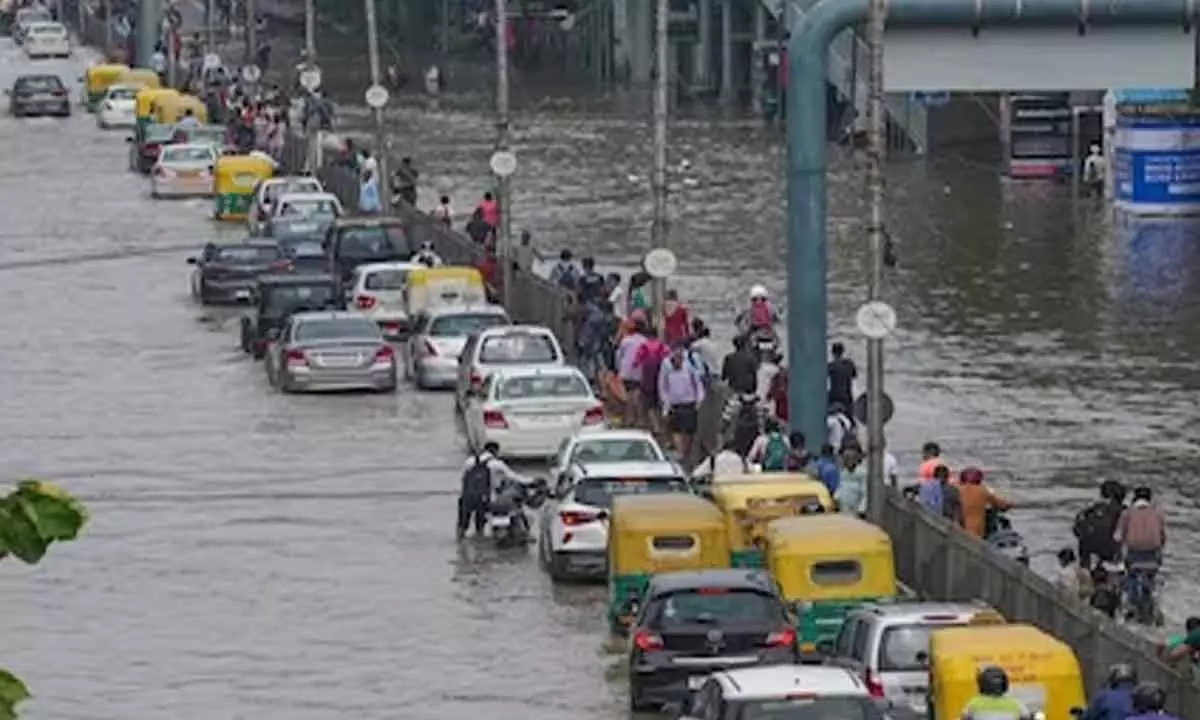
(694, 623)
(351, 242)
(228, 272)
(276, 297)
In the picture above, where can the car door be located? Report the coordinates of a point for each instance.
(559, 466)
(844, 644)
(206, 256)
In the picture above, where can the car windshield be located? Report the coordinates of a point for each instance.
(518, 348)
(302, 247)
(386, 280)
(342, 328)
(31, 15)
(823, 708)
(187, 154)
(48, 30)
(591, 450)
(463, 325)
(309, 208)
(205, 135)
(716, 606)
(273, 191)
(543, 386)
(159, 133)
(247, 255)
(39, 83)
(374, 243)
(599, 492)
(285, 298)
(899, 647)
(122, 93)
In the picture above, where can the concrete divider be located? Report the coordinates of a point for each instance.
(933, 557)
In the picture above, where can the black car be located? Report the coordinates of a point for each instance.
(292, 227)
(276, 297)
(143, 151)
(697, 622)
(351, 242)
(227, 272)
(305, 252)
(39, 95)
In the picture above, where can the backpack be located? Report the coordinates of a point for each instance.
(1093, 524)
(746, 426)
(477, 481)
(650, 370)
(849, 436)
(775, 455)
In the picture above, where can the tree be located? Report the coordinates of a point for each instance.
(32, 517)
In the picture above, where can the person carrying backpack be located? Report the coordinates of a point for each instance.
(1095, 526)
(840, 428)
(482, 474)
(770, 450)
(742, 421)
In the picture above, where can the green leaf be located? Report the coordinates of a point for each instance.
(58, 516)
(12, 692)
(18, 533)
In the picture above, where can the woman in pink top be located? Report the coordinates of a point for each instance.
(648, 361)
(489, 210)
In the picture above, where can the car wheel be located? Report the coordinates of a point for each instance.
(245, 336)
(285, 382)
(17, 111)
(558, 567)
(636, 703)
(204, 294)
(390, 386)
(257, 351)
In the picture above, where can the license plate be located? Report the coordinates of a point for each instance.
(393, 329)
(339, 362)
(242, 294)
(189, 174)
(695, 682)
(500, 521)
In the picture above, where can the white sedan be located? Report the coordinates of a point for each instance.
(529, 411)
(268, 191)
(28, 16)
(379, 294)
(118, 109)
(47, 39)
(614, 445)
(183, 171)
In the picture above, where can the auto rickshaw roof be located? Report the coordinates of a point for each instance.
(668, 512)
(960, 651)
(785, 486)
(819, 533)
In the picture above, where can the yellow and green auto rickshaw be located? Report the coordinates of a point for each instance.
(170, 109)
(144, 108)
(825, 566)
(750, 501)
(431, 287)
(656, 533)
(96, 82)
(1043, 672)
(234, 180)
(140, 77)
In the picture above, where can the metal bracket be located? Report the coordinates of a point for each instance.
(978, 24)
(1083, 16)
(1190, 18)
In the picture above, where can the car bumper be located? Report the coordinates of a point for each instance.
(45, 52)
(583, 563)
(670, 681)
(377, 377)
(115, 119)
(437, 372)
(526, 445)
(44, 107)
(182, 188)
(237, 290)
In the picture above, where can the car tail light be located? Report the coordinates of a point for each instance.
(283, 265)
(645, 640)
(364, 302)
(594, 415)
(151, 149)
(430, 350)
(874, 686)
(476, 380)
(494, 419)
(782, 638)
(162, 172)
(61, 92)
(385, 354)
(295, 357)
(574, 517)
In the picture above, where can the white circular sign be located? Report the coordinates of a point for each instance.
(503, 163)
(212, 61)
(310, 79)
(876, 320)
(377, 96)
(660, 263)
(251, 73)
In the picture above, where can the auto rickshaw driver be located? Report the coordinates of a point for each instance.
(993, 702)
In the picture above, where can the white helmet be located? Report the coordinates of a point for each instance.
(758, 292)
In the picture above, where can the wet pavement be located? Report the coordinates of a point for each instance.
(254, 555)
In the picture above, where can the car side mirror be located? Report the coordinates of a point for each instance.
(191, 261)
(825, 647)
(923, 658)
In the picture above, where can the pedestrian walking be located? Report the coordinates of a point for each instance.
(680, 390)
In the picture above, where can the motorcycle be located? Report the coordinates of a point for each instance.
(507, 520)
(1141, 582)
(1002, 538)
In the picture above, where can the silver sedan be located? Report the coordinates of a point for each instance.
(330, 351)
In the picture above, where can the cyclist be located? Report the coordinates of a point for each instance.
(1142, 533)
(993, 702)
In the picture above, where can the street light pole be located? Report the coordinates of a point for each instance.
(658, 230)
(312, 138)
(108, 29)
(251, 32)
(210, 25)
(876, 22)
(503, 182)
(385, 194)
(310, 31)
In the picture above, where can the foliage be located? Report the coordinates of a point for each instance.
(32, 517)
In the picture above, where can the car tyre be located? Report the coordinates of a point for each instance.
(636, 703)
(258, 352)
(554, 563)
(285, 382)
(390, 386)
(245, 336)
(204, 294)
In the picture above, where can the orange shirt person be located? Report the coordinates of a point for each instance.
(931, 457)
(976, 498)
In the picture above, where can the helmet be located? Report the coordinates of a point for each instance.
(992, 681)
(427, 246)
(758, 292)
(971, 476)
(1148, 697)
(1122, 674)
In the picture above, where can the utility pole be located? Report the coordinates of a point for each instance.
(310, 32)
(108, 29)
(385, 194)
(503, 182)
(658, 230)
(444, 31)
(80, 16)
(251, 32)
(876, 22)
(311, 138)
(210, 25)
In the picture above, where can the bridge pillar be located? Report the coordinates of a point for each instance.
(149, 23)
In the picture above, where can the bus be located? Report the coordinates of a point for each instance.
(1037, 131)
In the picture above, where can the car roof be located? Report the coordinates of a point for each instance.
(917, 612)
(630, 469)
(297, 279)
(537, 371)
(47, 23)
(615, 434)
(248, 241)
(329, 315)
(727, 578)
(368, 222)
(506, 329)
(466, 309)
(307, 196)
(38, 76)
(369, 268)
(287, 179)
(765, 682)
(188, 146)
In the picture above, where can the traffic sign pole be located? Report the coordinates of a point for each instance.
(373, 98)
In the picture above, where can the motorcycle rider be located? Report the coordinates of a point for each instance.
(759, 319)
(1116, 701)
(1096, 525)
(1148, 703)
(427, 256)
(485, 476)
(992, 702)
(1142, 534)
(976, 499)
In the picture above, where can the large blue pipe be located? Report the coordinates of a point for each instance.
(807, 72)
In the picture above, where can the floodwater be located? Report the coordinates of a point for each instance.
(254, 555)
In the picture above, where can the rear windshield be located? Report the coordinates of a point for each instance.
(284, 298)
(373, 243)
(387, 280)
(187, 154)
(122, 93)
(550, 386)
(309, 208)
(825, 708)
(205, 136)
(272, 192)
(899, 646)
(250, 255)
(39, 83)
(463, 325)
(518, 348)
(599, 492)
(336, 329)
(302, 248)
(590, 451)
(716, 606)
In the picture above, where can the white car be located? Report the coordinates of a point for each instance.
(378, 292)
(118, 109)
(529, 411)
(439, 336)
(269, 190)
(47, 39)
(573, 539)
(612, 445)
(183, 170)
(27, 16)
(505, 347)
(305, 205)
(784, 691)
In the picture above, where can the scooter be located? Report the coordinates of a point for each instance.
(507, 521)
(1140, 604)
(1001, 536)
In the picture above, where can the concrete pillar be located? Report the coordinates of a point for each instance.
(702, 60)
(758, 78)
(641, 39)
(622, 59)
(727, 94)
(149, 20)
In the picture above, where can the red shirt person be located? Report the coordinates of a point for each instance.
(677, 322)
